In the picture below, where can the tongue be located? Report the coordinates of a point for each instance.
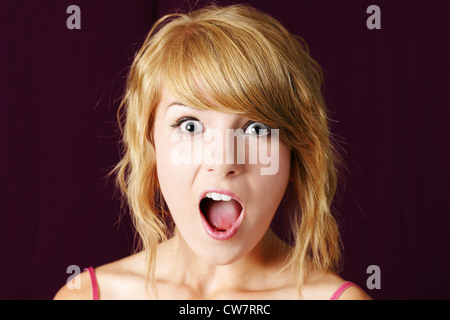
(222, 214)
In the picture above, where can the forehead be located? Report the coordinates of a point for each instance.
(171, 107)
(173, 101)
(169, 100)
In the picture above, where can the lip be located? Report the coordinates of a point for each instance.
(227, 234)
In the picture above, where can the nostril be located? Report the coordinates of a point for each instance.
(224, 171)
(231, 172)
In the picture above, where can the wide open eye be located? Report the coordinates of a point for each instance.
(257, 129)
(191, 126)
(188, 125)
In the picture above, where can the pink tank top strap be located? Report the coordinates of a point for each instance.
(95, 291)
(341, 290)
(94, 283)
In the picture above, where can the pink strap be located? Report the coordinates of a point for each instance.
(95, 295)
(341, 289)
(93, 282)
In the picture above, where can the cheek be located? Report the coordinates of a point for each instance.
(269, 190)
(175, 179)
(163, 164)
(274, 181)
(169, 172)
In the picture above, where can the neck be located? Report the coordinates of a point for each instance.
(257, 270)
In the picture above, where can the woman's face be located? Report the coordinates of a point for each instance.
(222, 176)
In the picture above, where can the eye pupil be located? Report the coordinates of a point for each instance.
(190, 126)
(257, 129)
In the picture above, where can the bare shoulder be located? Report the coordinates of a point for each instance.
(324, 285)
(130, 264)
(122, 279)
(115, 280)
(79, 289)
(354, 293)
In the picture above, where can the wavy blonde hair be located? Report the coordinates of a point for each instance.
(249, 64)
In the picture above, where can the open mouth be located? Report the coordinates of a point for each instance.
(222, 214)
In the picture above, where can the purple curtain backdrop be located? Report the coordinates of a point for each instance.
(387, 90)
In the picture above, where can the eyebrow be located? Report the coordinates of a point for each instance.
(179, 104)
(175, 103)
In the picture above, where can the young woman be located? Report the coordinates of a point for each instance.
(228, 168)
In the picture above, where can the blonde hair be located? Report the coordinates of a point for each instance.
(249, 64)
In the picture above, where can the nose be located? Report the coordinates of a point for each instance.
(227, 158)
(225, 170)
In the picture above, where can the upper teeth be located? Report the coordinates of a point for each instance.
(218, 196)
